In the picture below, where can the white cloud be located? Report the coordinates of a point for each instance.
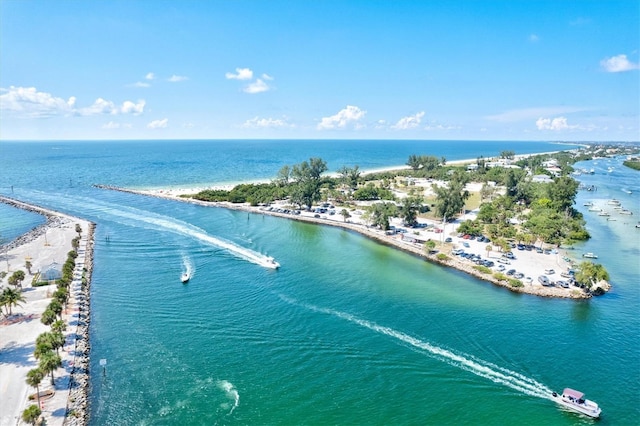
(29, 103)
(150, 76)
(531, 113)
(267, 77)
(241, 74)
(177, 78)
(158, 124)
(264, 123)
(257, 86)
(534, 38)
(101, 106)
(558, 123)
(410, 122)
(129, 107)
(140, 84)
(349, 115)
(618, 63)
(113, 125)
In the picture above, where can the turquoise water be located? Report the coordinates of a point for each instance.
(347, 331)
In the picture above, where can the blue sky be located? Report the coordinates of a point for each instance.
(491, 70)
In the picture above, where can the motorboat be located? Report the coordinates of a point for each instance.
(613, 202)
(625, 211)
(271, 263)
(574, 400)
(603, 213)
(588, 204)
(590, 255)
(184, 278)
(594, 209)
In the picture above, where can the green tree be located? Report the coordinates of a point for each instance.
(56, 307)
(450, 199)
(48, 317)
(49, 363)
(34, 378)
(307, 176)
(380, 214)
(562, 193)
(10, 298)
(284, 174)
(31, 414)
(430, 246)
(409, 209)
(28, 265)
(508, 154)
(59, 326)
(345, 214)
(78, 229)
(590, 273)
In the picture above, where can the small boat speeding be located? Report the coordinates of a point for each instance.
(184, 278)
(574, 400)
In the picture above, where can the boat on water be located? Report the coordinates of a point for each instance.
(613, 202)
(590, 255)
(270, 262)
(625, 211)
(603, 213)
(574, 400)
(184, 278)
(588, 204)
(594, 209)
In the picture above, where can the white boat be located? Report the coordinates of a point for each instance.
(613, 202)
(625, 211)
(594, 209)
(603, 214)
(271, 263)
(588, 204)
(184, 278)
(574, 400)
(590, 255)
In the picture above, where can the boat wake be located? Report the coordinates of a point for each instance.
(187, 266)
(231, 393)
(468, 363)
(135, 217)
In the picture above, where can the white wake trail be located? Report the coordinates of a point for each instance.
(136, 217)
(468, 363)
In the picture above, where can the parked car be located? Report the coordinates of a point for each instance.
(500, 268)
(511, 271)
(448, 240)
(562, 284)
(518, 275)
(509, 255)
(465, 244)
(544, 280)
(503, 261)
(549, 271)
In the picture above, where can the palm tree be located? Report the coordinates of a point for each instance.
(488, 248)
(59, 326)
(19, 277)
(31, 414)
(48, 317)
(11, 297)
(28, 265)
(78, 229)
(49, 362)
(34, 378)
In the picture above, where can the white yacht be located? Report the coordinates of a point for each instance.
(184, 278)
(574, 400)
(590, 255)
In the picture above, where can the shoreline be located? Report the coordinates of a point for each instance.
(69, 403)
(380, 237)
(227, 186)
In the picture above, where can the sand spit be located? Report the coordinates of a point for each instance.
(530, 263)
(49, 242)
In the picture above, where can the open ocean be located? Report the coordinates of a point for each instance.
(347, 331)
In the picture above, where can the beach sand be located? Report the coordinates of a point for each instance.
(45, 244)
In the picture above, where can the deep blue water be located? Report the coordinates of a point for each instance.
(347, 331)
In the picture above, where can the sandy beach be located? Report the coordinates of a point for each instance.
(42, 246)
